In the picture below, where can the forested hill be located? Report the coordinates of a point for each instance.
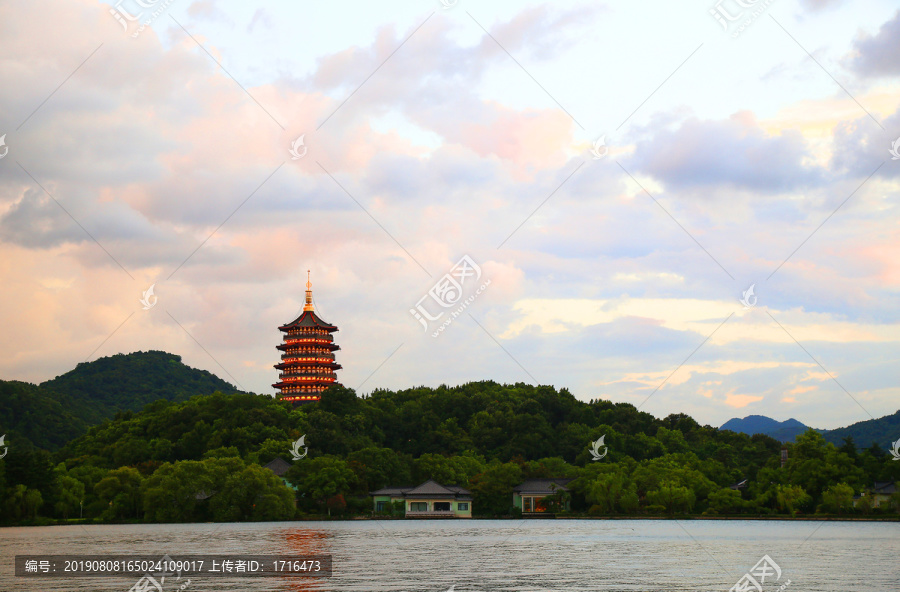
(497, 421)
(882, 430)
(47, 420)
(61, 409)
(128, 382)
(156, 464)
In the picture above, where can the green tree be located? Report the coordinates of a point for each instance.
(612, 493)
(378, 467)
(672, 497)
(322, 478)
(24, 503)
(172, 493)
(816, 465)
(272, 449)
(792, 498)
(725, 501)
(837, 499)
(248, 492)
(492, 489)
(69, 494)
(672, 440)
(121, 491)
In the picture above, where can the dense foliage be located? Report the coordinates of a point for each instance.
(201, 459)
(128, 382)
(884, 429)
(30, 413)
(61, 409)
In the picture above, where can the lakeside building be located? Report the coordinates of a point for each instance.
(881, 495)
(307, 360)
(279, 466)
(529, 495)
(428, 500)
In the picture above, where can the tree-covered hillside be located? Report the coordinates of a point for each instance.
(201, 459)
(882, 431)
(30, 413)
(128, 382)
(61, 409)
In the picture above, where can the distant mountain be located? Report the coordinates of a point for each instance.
(63, 408)
(882, 431)
(783, 431)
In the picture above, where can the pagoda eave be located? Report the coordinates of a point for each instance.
(315, 383)
(308, 343)
(300, 398)
(285, 365)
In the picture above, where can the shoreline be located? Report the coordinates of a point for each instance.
(895, 518)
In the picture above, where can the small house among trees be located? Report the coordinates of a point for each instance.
(279, 466)
(428, 500)
(882, 495)
(542, 495)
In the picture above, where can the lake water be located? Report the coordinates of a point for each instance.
(494, 555)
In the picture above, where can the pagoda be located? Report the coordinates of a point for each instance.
(307, 359)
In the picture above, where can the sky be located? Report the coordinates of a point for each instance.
(690, 207)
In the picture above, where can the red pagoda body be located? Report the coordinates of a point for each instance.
(307, 360)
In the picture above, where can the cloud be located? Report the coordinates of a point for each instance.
(876, 55)
(739, 401)
(817, 5)
(166, 160)
(859, 146)
(736, 153)
(541, 31)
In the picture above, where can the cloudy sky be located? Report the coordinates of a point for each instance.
(620, 173)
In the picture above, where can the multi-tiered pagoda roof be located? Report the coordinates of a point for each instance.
(307, 360)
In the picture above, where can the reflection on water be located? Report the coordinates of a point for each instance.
(300, 541)
(493, 555)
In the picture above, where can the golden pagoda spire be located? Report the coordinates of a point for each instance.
(308, 306)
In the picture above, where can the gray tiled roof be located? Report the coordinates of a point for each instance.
(390, 491)
(279, 466)
(430, 488)
(542, 486)
(885, 487)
